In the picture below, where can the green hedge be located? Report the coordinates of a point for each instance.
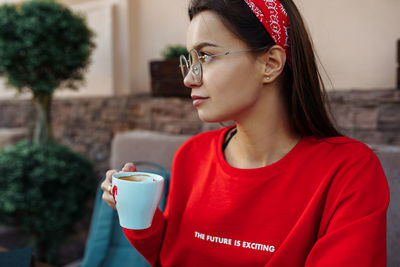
(44, 191)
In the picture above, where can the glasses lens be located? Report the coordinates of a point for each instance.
(195, 65)
(184, 66)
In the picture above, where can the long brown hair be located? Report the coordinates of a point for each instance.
(304, 91)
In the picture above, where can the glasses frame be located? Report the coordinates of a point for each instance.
(198, 73)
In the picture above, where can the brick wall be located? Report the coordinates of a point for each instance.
(88, 125)
(372, 117)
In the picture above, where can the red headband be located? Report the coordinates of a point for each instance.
(275, 20)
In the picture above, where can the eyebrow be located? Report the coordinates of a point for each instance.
(204, 44)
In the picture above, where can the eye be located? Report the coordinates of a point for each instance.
(205, 57)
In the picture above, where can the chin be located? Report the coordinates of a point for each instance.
(211, 118)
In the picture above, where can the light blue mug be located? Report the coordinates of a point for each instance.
(137, 201)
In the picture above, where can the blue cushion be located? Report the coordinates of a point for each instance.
(100, 232)
(16, 258)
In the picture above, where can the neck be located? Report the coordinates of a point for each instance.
(263, 137)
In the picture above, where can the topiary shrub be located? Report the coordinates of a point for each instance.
(43, 46)
(44, 186)
(43, 191)
(174, 51)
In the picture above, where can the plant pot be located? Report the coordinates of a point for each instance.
(166, 79)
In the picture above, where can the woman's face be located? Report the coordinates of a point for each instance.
(231, 84)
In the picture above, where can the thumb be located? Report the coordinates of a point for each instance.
(129, 167)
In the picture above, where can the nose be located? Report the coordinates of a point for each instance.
(190, 80)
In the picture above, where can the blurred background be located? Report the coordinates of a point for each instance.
(355, 40)
(133, 84)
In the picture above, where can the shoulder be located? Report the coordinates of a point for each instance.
(343, 142)
(199, 148)
(342, 148)
(200, 143)
(357, 173)
(351, 162)
(341, 157)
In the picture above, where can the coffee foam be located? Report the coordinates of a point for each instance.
(135, 177)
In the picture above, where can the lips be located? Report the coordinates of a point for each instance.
(198, 100)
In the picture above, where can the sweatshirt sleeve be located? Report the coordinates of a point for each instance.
(148, 241)
(353, 227)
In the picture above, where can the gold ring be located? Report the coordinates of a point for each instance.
(110, 188)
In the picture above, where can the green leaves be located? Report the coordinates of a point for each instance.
(174, 51)
(43, 44)
(44, 189)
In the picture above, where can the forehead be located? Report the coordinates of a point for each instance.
(208, 27)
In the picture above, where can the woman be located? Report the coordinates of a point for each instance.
(281, 187)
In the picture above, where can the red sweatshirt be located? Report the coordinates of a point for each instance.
(323, 204)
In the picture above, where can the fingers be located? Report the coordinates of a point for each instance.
(129, 167)
(109, 175)
(108, 198)
(105, 186)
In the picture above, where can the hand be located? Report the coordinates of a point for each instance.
(106, 184)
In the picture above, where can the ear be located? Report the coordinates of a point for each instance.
(274, 61)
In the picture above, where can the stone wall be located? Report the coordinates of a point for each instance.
(88, 125)
(372, 117)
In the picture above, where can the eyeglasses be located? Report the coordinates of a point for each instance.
(194, 62)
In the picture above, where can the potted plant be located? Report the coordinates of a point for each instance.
(44, 186)
(166, 76)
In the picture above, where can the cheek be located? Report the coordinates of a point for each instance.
(233, 76)
(236, 83)
(232, 91)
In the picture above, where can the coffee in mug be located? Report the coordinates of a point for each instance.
(137, 178)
